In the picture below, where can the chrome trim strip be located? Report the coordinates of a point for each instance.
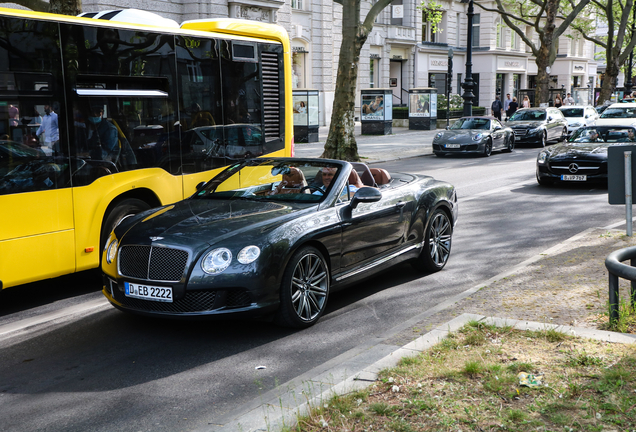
(580, 168)
(120, 93)
(380, 261)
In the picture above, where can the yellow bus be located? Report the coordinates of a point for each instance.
(102, 119)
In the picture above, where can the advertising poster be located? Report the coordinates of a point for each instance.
(372, 107)
(300, 110)
(420, 105)
(313, 110)
(433, 104)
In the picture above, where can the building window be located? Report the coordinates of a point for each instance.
(530, 34)
(458, 21)
(297, 4)
(514, 40)
(374, 72)
(459, 84)
(298, 69)
(476, 26)
(427, 29)
(500, 33)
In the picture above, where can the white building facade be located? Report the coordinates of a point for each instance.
(401, 51)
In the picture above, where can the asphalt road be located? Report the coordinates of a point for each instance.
(106, 371)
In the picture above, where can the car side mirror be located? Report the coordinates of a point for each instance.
(200, 185)
(549, 119)
(497, 127)
(587, 116)
(365, 195)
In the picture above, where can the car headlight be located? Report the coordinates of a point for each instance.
(439, 135)
(216, 261)
(543, 156)
(535, 130)
(478, 137)
(111, 250)
(577, 124)
(248, 254)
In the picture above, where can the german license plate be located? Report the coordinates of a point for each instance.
(452, 145)
(573, 177)
(147, 292)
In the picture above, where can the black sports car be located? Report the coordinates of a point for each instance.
(276, 236)
(479, 135)
(538, 125)
(583, 158)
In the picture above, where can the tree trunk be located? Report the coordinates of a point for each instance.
(542, 93)
(341, 142)
(609, 82)
(66, 7)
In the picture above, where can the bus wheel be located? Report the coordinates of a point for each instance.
(126, 207)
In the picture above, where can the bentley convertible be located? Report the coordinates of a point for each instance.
(274, 237)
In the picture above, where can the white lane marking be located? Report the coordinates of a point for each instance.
(494, 191)
(66, 313)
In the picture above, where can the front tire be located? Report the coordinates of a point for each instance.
(487, 148)
(564, 135)
(437, 243)
(511, 144)
(304, 289)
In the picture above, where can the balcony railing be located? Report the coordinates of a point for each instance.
(402, 33)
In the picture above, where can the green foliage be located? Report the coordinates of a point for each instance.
(456, 102)
(432, 12)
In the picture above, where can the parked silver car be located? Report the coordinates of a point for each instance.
(579, 116)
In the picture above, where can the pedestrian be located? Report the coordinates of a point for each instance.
(558, 103)
(49, 127)
(569, 100)
(512, 108)
(526, 102)
(506, 104)
(496, 108)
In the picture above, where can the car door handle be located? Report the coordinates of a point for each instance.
(346, 224)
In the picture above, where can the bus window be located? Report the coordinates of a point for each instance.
(201, 114)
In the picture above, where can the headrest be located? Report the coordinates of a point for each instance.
(354, 179)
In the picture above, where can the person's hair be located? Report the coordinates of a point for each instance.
(514, 98)
(525, 97)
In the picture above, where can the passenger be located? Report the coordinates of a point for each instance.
(102, 136)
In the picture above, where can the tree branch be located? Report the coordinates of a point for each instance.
(373, 13)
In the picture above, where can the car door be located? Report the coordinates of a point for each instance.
(498, 134)
(372, 230)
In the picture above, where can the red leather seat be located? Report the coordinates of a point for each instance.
(381, 176)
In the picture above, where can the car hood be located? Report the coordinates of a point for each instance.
(462, 134)
(579, 151)
(524, 124)
(202, 222)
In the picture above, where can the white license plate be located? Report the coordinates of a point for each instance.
(572, 177)
(147, 292)
(452, 145)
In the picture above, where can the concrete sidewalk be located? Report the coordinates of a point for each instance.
(401, 144)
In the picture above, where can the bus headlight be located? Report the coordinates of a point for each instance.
(111, 251)
(216, 261)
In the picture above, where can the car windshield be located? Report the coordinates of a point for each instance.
(572, 112)
(528, 115)
(272, 179)
(604, 134)
(619, 113)
(471, 123)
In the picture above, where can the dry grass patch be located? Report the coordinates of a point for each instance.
(470, 382)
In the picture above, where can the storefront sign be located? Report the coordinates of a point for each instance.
(299, 49)
(579, 68)
(437, 63)
(511, 63)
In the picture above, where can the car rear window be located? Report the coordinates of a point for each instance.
(572, 112)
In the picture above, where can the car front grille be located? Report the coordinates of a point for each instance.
(582, 167)
(193, 302)
(520, 132)
(152, 263)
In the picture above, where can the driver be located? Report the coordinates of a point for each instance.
(327, 175)
(594, 136)
(630, 135)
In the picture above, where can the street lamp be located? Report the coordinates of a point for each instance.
(468, 82)
(449, 85)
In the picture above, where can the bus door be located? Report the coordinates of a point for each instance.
(36, 221)
(200, 110)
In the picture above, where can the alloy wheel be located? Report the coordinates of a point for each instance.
(439, 239)
(309, 287)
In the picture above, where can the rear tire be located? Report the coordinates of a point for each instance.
(126, 207)
(564, 135)
(304, 289)
(544, 139)
(511, 144)
(437, 243)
